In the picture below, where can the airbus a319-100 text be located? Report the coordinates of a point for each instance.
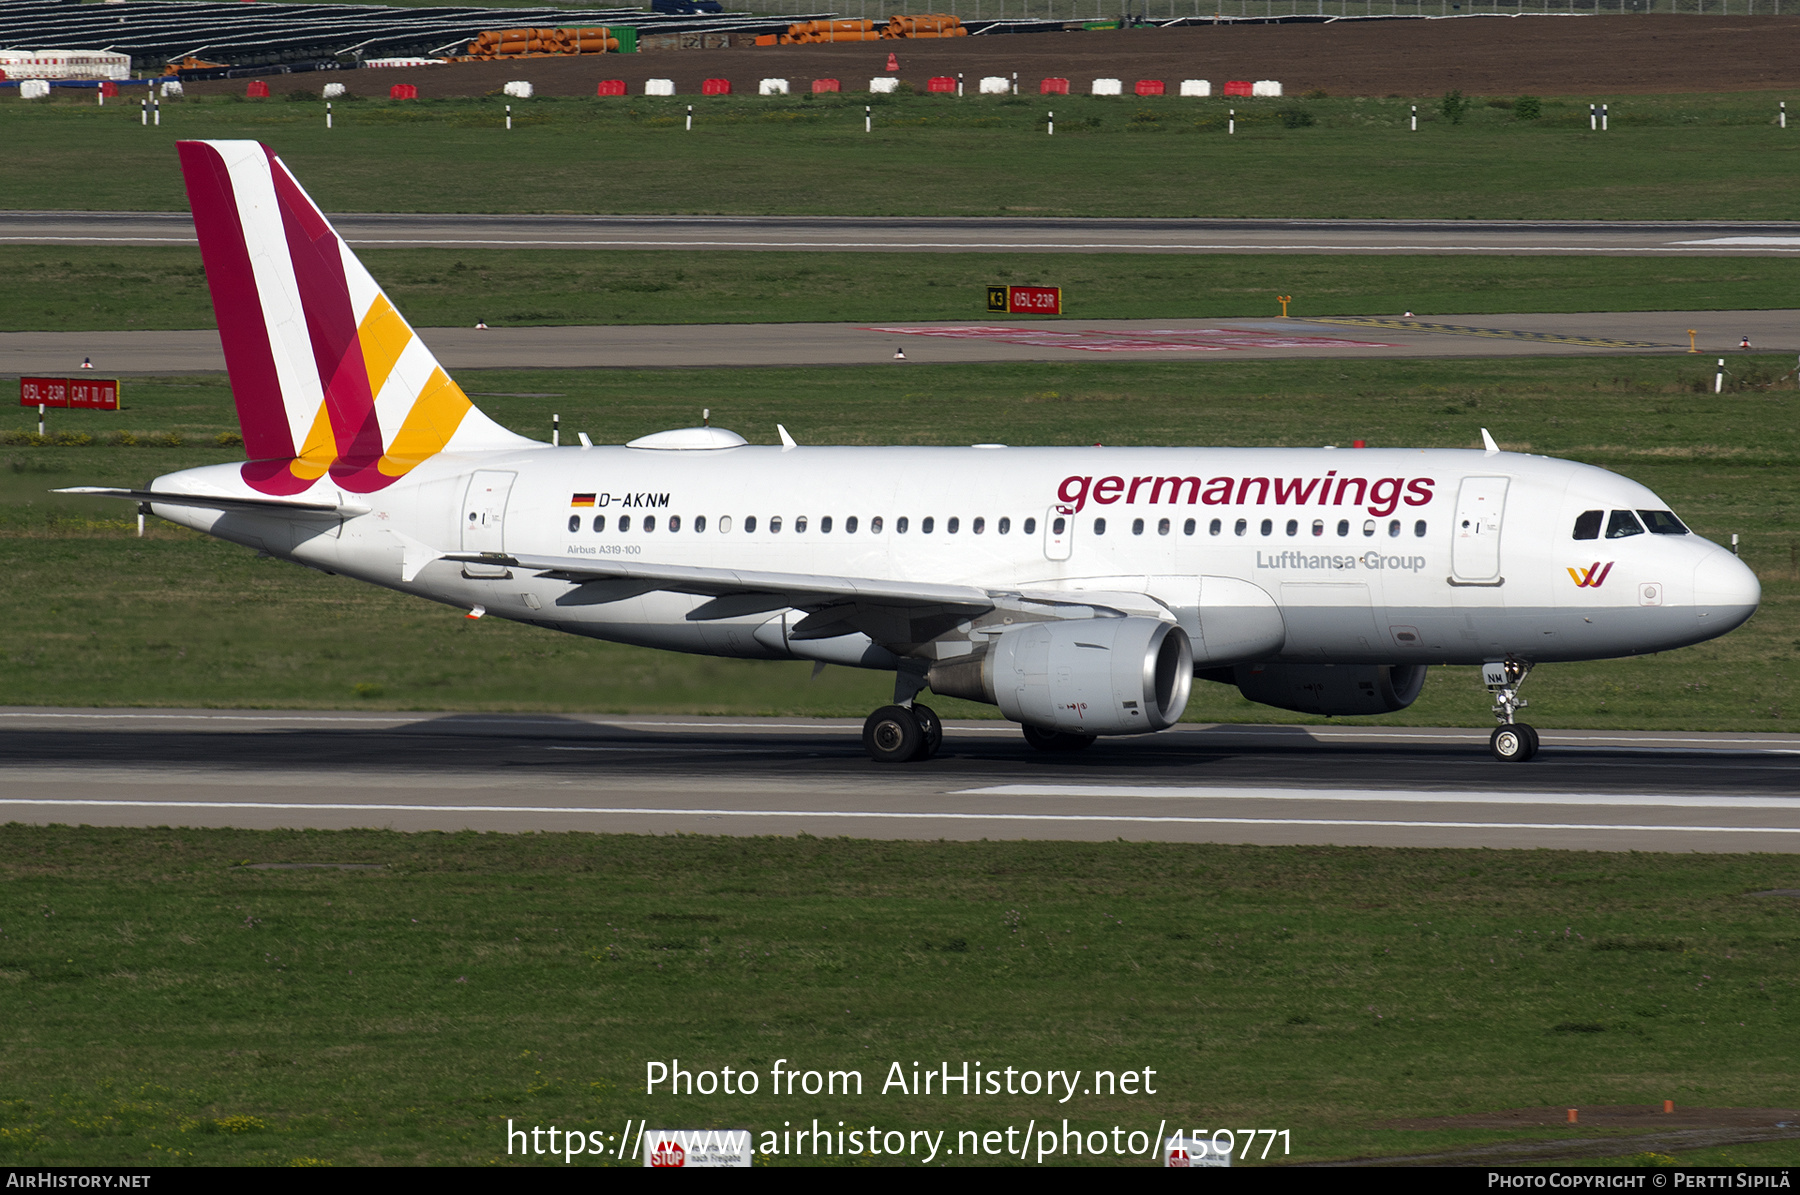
(1080, 590)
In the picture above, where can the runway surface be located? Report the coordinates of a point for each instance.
(740, 776)
(899, 234)
(972, 341)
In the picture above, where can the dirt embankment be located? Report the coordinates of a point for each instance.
(1549, 56)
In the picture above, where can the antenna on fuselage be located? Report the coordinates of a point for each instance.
(705, 416)
(1487, 442)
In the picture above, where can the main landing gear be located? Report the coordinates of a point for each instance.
(902, 733)
(1511, 742)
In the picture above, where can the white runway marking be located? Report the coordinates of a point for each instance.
(1161, 792)
(883, 815)
(1743, 241)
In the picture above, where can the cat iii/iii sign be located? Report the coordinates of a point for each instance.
(1025, 300)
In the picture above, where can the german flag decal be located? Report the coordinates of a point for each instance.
(581, 500)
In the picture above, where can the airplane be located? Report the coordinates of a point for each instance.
(1081, 591)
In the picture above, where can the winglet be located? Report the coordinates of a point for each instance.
(1487, 442)
(787, 441)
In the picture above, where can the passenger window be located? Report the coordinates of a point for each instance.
(1623, 524)
(1662, 522)
(1368, 527)
(1318, 526)
(1213, 527)
(875, 525)
(749, 524)
(979, 526)
(1030, 526)
(1393, 528)
(1137, 526)
(1099, 526)
(574, 523)
(1293, 527)
(1242, 526)
(927, 524)
(1187, 528)
(799, 524)
(674, 522)
(724, 524)
(1343, 528)
(1268, 526)
(649, 522)
(1419, 529)
(624, 522)
(825, 525)
(850, 526)
(775, 525)
(901, 524)
(599, 522)
(1162, 527)
(950, 527)
(1587, 524)
(1059, 525)
(699, 523)
(1004, 526)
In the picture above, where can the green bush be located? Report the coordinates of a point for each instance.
(1454, 106)
(1295, 118)
(1528, 107)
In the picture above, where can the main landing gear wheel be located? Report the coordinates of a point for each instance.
(1513, 743)
(931, 728)
(1057, 740)
(893, 735)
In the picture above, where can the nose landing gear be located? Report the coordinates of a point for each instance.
(1511, 742)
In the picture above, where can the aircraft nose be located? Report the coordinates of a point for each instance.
(1726, 592)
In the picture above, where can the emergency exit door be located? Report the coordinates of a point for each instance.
(1475, 539)
(484, 518)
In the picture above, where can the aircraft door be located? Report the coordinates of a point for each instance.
(484, 517)
(1059, 533)
(1475, 538)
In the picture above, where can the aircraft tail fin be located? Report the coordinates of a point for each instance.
(327, 375)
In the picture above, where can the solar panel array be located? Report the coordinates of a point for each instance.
(155, 32)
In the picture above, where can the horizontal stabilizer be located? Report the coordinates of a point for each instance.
(209, 502)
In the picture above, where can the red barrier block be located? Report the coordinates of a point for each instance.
(1149, 86)
(1053, 87)
(109, 89)
(820, 86)
(709, 87)
(256, 89)
(1239, 87)
(403, 91)
(941, 84)
(610, 87)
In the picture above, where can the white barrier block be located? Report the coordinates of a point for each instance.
(995, 85)
(885, 85)
(1268, 87)
(1196, 87)
(172, 88)
(33, 89)
(659, 87)
(334, 91)
(519, 89)
(1108, 87)
(772, 87)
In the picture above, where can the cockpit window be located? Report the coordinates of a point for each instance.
(1587, 524)
(1662, 522)
(1623, 523)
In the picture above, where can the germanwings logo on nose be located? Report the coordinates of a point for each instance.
(1591, 577)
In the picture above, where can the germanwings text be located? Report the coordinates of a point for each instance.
(1381, 495)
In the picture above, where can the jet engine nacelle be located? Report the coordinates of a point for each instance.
(1089, 676)
(1331, 688)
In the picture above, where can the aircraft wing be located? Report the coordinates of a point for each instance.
(207, 502)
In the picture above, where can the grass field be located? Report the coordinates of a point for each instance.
(180, 620)
(1676, 157)
(168, 1004)
(76, 288)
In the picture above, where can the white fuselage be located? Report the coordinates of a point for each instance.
(1369, 556)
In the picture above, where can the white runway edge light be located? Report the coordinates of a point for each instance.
(1199, 87)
